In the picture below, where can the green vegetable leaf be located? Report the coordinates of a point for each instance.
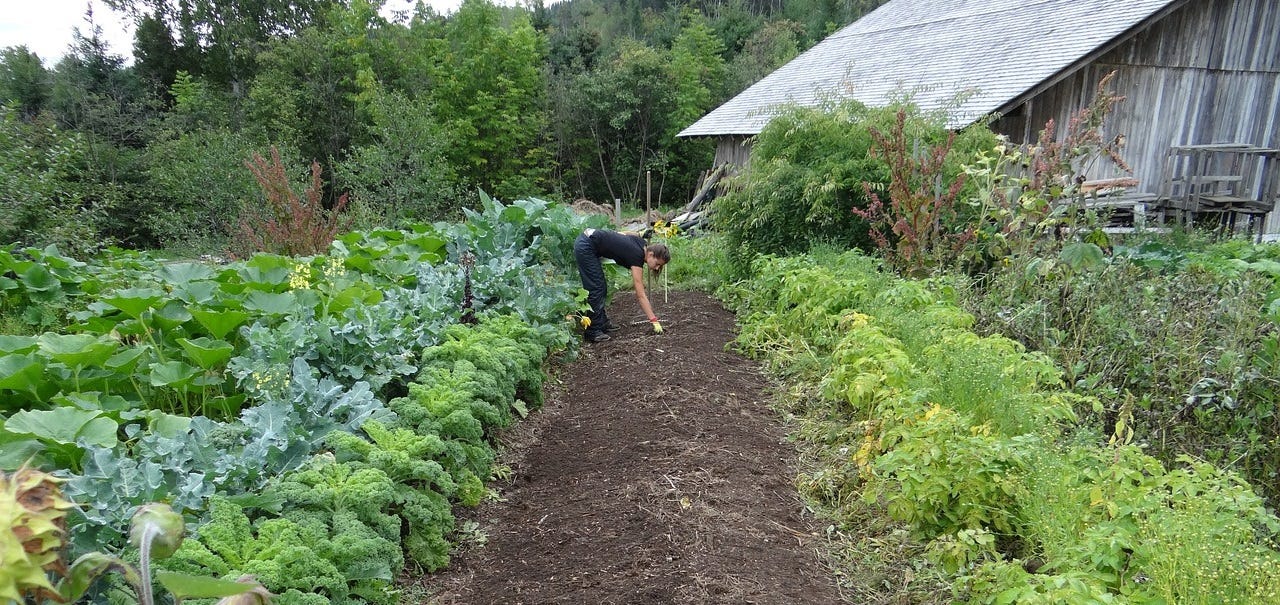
(220, 322)
(206, 352)
(173, 374)
(172, 315)
(182, 273)
(134, 301)
(125, 361)
(65, 426)
(169, 425)
(17, 344)
(196, 292)
(39, 279)
(185, 586)
(1082, 256)
(77, 350)
(16, 449)
(20, 372)
(269, 303)
(355, 295)
(112, 405)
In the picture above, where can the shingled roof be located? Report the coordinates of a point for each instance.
(988, 53)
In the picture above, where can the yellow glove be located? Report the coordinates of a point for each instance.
(657, 326)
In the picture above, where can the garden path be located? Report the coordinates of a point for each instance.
(655, 473)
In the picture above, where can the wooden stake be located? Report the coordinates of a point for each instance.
(648, 193)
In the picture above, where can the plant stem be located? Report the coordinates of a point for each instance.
(144, 589)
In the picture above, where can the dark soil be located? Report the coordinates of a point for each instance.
(655, 473)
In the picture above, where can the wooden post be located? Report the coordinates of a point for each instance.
(648, 192)
(617, 211)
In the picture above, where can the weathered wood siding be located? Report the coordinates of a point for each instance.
(733, 149)
(1209, 72)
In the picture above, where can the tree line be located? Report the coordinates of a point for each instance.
(409, 116)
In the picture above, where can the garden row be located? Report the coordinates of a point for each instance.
(314, 418)
(972, 443)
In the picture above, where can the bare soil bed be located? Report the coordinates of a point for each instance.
(655, 473)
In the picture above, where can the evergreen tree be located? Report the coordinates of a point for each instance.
(24, 82)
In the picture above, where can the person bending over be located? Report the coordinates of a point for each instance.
(630, 251)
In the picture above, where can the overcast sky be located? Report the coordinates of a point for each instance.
(45, 26)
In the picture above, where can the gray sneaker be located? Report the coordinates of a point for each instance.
(598, 337)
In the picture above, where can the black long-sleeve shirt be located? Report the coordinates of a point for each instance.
(626, 250)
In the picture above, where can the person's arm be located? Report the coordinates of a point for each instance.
(637, 279)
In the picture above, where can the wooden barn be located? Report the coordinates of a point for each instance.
(1201, 81)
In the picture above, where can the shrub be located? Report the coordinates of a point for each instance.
(45, 196)
(199, 187)
(819, 175)
(807, 171)
(404, 174)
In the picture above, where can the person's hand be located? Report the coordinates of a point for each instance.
(657, 325)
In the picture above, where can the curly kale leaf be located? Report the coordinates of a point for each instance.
(402, 454)
(430, 520)
(276, 553)
(342, 487)
(369, 561)
(508, 361)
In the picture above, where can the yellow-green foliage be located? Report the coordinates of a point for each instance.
(961, 437)
(347, 512)
(867, 366)
(507, 358)
(423, 484)
(1199, 545)
(994, 380)
(941, 473)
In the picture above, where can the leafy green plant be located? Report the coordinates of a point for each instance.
(1023, 196)
(275, 553)
(38, 286)
(1187, 343)
(186, 381)
(60, 433)
(1203, 547)
(422, 501)
(947, 475)
(968, 441)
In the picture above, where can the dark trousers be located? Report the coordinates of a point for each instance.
(593, 281)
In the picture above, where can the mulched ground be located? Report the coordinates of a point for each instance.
(655, 473)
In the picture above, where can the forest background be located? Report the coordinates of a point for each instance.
(408, 119)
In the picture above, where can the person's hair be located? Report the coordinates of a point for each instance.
(661, 252)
